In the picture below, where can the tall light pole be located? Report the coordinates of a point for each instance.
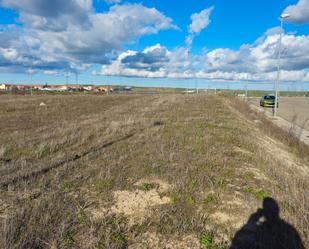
(195, 77)
(67, 78)
(282, 18)
(246, 91)
(246, 86)
(76, 79)
(31, 80)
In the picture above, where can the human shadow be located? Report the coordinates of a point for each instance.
(266, 230)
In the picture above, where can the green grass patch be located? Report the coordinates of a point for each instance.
(191, 200)
(81, 217)
(259, 194)
(207, 241)
(103, 185)
(147, 186)
(211, 198)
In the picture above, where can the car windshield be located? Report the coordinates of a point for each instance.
(269, 97)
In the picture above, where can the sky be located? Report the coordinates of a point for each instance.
(153, 42)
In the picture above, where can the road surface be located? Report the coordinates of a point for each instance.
(292, 109)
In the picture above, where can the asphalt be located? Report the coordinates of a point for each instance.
(292, 109)
(293, 115)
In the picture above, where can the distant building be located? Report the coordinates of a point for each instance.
(37, 87)
(6, 87)
(60, 88)
(74, 88)
(23, 87)
(105, 89)
(3, 87)
(101, 89)
(89, 88)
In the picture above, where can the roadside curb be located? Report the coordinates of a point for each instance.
(301, 133)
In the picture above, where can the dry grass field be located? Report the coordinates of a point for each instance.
(142, 171)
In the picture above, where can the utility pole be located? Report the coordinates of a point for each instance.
(282, 17)
(67, 78)
(246, 87)
(76, 80)
(31, 81)
(196, 87)
(246, 94)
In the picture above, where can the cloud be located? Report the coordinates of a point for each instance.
(299, 12)
(199, 21)
(256, 62)
(9, 54)
(112, 1)
(45, 8)
(295, 54)
(151, 58)
(149, 63)
(71, 35)
(153, 62)
(261, 57)
(286, 76)
(50, 72)
(51, 14)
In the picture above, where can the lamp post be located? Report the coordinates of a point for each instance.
(67, 78)
(195, 77)
(31, 80)
(282, 18)
(246, 87)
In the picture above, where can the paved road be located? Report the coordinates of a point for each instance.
(291, 108)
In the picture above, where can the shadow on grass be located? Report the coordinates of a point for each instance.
(266, 230)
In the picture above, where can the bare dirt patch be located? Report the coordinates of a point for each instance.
(226, 219)
(137, 204)
(155, 241)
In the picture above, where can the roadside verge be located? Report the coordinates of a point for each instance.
(301, 133)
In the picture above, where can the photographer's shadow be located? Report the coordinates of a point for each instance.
(266, 230)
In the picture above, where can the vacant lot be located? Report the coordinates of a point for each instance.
(140, 171)
(292, 109)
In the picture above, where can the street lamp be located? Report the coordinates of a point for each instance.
(195, 78)
(282, 18)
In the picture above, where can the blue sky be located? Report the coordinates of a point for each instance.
(233, 23)
(163, 40)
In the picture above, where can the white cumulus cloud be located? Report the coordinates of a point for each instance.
(112, 1)
(70, 34)
(256, 62)
(199, 21)
(299, 13)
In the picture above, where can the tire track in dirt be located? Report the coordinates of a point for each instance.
(33, 174)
